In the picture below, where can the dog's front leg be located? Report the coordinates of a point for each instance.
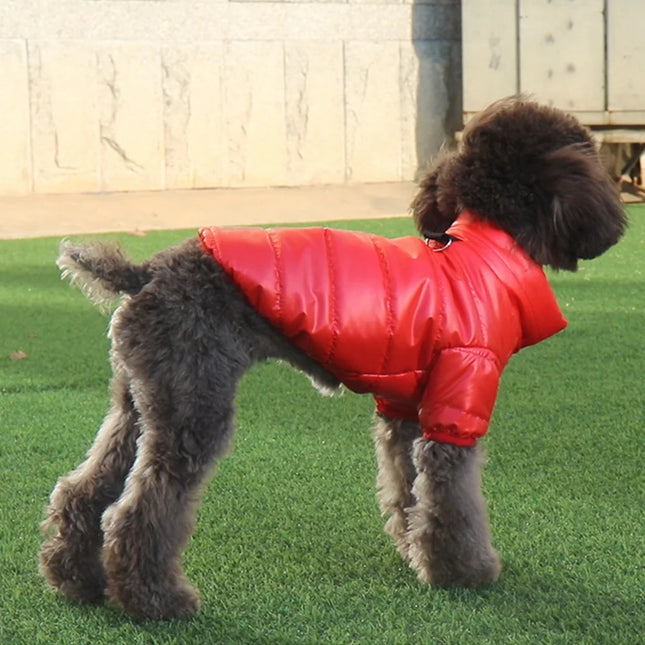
(70, 557)
(393, 441)
(449, 537)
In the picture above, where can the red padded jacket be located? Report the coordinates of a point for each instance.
(428, 333)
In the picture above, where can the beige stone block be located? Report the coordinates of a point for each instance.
(15, 160)
(375, 2)
(276, 2)
(315, 131)
(254, 105)
(195, 142)
(199, 21)
(131, 116)
(410, 91)
(379, 22)
(64, 116)
(373, 111)
(326, 21)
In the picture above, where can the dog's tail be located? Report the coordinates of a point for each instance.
(101, 271)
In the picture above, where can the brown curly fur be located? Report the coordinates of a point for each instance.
(535, 172)
(183, 336)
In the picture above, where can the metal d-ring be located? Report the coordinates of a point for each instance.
(442, 238)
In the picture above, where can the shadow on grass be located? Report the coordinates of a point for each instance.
(561, 604)
(526, 606)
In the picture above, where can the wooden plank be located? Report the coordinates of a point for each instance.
(489, 37)
(562, 52)
(628, 117)
(620, 135)
(610, 135)
(625, 56)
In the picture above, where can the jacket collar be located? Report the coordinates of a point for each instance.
(538, 308)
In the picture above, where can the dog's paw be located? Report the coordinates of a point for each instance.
(76, 573)
(182, 601)
(451, 571)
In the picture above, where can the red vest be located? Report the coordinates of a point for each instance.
(425, 329)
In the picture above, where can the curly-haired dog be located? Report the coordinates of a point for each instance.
(426, 325)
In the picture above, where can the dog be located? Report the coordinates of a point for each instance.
(426, 324)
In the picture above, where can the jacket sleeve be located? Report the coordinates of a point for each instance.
(457, 402)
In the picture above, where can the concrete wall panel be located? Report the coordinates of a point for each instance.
(131, 116)
(64, 116)
(111, 95)
(15, 126)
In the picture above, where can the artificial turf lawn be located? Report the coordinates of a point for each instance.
(289, 545)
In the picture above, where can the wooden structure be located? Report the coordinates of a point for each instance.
(583, 56)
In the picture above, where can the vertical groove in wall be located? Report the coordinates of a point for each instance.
(605, 11)
(402, 90)
(285, 108)
(97, 133)
(165, 136)
(30, 138)
(344, 98)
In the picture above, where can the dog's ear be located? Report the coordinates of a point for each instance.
(586, 215)
(436, 204)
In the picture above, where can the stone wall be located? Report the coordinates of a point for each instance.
(113, 95)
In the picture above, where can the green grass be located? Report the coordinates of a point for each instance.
(289, 546)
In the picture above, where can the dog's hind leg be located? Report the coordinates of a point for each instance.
(393, 441)
(70, 557)
(183, 341)
(147, 528)
(449, 537)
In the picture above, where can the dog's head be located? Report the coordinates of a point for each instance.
(533, 171)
